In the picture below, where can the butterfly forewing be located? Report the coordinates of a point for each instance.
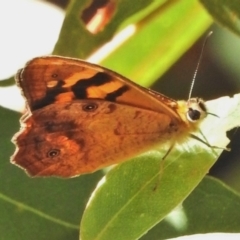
(53, 79)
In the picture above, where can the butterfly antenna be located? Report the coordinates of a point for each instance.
(198, 64)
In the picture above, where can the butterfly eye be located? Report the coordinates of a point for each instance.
(53, 153)
(193, 115)
(90, 107)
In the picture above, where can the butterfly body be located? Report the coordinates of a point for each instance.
(82, 117)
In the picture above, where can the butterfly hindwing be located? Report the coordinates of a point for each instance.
(56, 141)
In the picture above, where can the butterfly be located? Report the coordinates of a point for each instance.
(82, 117)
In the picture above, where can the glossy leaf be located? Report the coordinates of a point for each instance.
(211, 207)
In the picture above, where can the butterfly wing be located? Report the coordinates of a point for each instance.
(82, 117)
(82, 136)
(53, 79)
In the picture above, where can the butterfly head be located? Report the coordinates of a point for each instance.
(196, 109)
(192, 111)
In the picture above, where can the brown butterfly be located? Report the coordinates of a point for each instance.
(82, 117)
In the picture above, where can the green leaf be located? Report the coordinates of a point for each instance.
(160, 39)
(76, 41)
(138, 194)
(211, 207)
(225, 12)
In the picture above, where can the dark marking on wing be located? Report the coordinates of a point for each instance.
(80, 88)
(38, 139)
(50, 96)
(172, 127)
(80, 142)
(61, 126)
(137, 113)
(117, 93)
(112, 107)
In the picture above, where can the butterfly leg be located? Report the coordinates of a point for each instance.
(168, 151)
(162, 165)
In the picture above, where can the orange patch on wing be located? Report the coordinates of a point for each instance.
(64, 97)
